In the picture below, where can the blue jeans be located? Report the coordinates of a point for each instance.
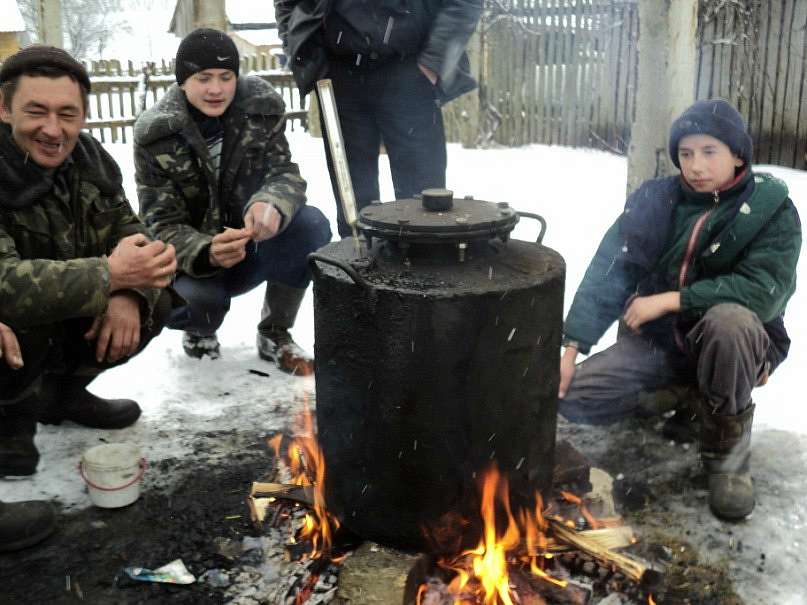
(281, 260)
(397, 105)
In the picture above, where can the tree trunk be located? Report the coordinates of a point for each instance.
(667, 69)
(211, 13)
(50, 22)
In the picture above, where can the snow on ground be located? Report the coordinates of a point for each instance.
(579, 192)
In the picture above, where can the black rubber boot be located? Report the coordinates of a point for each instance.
(18, 454)
(275, 344)
(74, 402)
(23, 524)
(726, 456)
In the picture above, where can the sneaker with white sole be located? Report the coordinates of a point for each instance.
(198, 346)
(276, 345)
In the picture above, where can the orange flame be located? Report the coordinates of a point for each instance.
(592, 521)
(487, 564)
(650, 600)
(306, 463)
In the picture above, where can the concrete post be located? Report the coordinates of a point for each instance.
(667, 70)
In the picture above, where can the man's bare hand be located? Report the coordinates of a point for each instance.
(229, 247)
(567, 370)
(137, 262)
(262, 220)
(432, 77)
(117, 331)
(647, 308)
(10, 348)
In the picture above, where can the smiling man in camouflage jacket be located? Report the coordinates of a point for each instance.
(80, 283)
(215, 178)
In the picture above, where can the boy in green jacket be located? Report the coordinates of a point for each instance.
(698, 269)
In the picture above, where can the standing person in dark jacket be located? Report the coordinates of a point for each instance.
(215, 178)
(393, 63)
(80, 283)
(698, 268)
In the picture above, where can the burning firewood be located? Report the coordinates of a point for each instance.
(304, 494)
(627, 566)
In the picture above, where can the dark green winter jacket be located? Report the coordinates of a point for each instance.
(56, 228)
(745, 251)
(181, 199)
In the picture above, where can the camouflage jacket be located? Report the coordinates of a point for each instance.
(56, 228)
(181, 199)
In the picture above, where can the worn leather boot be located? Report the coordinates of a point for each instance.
(726, 454)
(684, 425)
(72, 401)
(18, 454)
(275, 344)
(24, 524)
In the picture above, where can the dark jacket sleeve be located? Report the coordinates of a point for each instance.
(166, 214)
(283, 10)
(450, 32)
(763, 280)
(608, 283)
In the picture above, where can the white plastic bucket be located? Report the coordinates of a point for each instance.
(112, 473)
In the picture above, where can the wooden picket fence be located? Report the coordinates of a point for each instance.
(564, 72)
(121, 91)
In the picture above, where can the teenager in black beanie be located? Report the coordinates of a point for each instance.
(698, 270)
(202, 49)
(215, 178)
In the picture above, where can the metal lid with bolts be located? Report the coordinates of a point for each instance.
(435, 217)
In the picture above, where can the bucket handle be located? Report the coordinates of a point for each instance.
(352, 273)
(141, 463)
(538, 218)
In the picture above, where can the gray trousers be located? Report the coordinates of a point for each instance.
(724, 356)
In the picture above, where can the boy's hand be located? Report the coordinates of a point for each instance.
(647, 308)
(262, 220)
(567, 370)
(229, 247)
(10, 348)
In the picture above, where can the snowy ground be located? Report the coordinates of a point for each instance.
(579, 192)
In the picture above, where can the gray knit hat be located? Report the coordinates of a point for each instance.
(717, 118)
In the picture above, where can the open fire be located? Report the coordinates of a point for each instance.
(482, 573)
(305, 462)
(515, 561)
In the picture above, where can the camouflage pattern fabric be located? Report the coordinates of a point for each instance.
(181, 200)
(55, 229)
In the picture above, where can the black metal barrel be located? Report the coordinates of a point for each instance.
(436, 355)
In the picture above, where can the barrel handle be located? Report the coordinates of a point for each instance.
(538, 218)
(352, 273)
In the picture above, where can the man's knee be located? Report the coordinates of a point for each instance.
(732, 323)
(310, 229)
